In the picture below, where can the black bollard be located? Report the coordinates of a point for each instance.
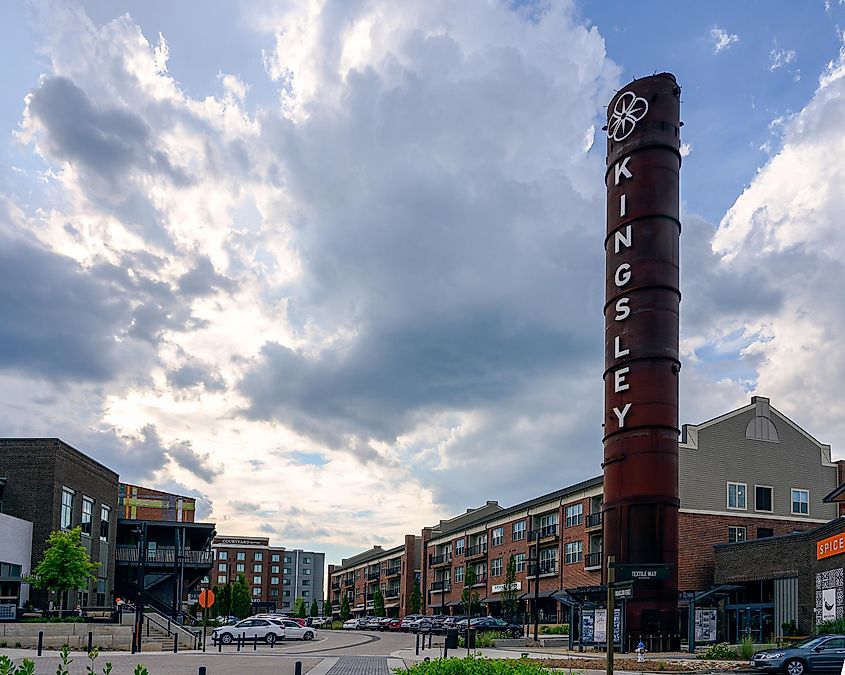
(134, 642)
(40, 641)
(417, 648)
(175, 643)
(219, 644)
(297, 668)
(445, 648)
(429, 639)
(201, 671)
(238, 640)
(90, 641)
(254, 642)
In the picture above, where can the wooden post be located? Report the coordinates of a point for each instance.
(611, 577)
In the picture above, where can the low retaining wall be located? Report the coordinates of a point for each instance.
(74, 635)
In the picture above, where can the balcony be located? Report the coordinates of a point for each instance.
(593, 520)
(393, 571)
(163, 555)
(391, 592)
(545, 533)
(441, 559)
(480, 581)
(547, 567)
(592, 561)
(476, 551)
(440, 586)
(350, 581)
(336, 585)
(373, 575)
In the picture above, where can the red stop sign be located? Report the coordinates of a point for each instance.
(206, 599)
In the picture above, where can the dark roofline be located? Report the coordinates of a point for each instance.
(59, 441)
(164, 523)
(551, 496)
(366, 556)
(834, 496)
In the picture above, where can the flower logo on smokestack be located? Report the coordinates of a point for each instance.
(629, 110)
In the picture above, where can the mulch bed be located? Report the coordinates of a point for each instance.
(647, 666)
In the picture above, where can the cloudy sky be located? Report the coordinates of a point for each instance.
(336, 268)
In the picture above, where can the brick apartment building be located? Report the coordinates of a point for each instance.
(276, 576)
(56, 487)
(391, 571)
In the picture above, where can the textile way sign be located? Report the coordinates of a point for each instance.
(643, 572)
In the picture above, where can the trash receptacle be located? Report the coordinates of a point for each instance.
(471, 639)
(451, 638)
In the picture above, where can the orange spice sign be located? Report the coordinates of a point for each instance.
(830, 546)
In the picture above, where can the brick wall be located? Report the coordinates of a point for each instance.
(699, 533)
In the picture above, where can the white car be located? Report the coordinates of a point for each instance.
(294, 631)
(263, 629)
(351, 624)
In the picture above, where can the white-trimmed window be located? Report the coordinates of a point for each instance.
(222, 555)
(274, 569)
(221, 578)
(736, 534)
(256, 567)
(574, 514)
(573, 552)
(87, 515)
(240, 567)
(105, 522)
(222, 567)
(256, 580)
(274, 581)
(259, 556)
(800, 502)
(763, 498)
(67, 508)
(459, 574)
(459, 547)
(497, 536)
(519, 530)
(737, 496)
(274, 557)
(519, 561)
(548, 559)
(496, 567)
(256, 592)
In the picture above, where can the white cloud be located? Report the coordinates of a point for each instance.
(721, 39)
(781, 57)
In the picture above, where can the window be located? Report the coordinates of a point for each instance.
(519, 530)
(459, 547)
(67, 508)
(221, 578)
(573, 553)
(287, 571)
(548, 559)
(285, 582)
(256, 580)
(305, 594)
(274, 557)
(241, 555)
(497, 537)
(496, 567)
(256, 592)
(287, 559)
(274, 569)
(306, 582)
(222, 555)
(306, 561)
(736, 496)
(259, 556)
(286, 604)
(87, 515)
(548, 524)
(306, 571)
(459, 574)
(286, 594)
(519, 561)
(274, 592)
(240, 567)
(800, 502)
(574, 514)
(765, 532)
(762, 498)
(256, 568)
(222, 567)
(736, 534)
(274, 581)
(105, 517)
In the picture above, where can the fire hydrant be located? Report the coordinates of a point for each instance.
(641, 650)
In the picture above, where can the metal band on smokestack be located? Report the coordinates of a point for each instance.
(642, 298)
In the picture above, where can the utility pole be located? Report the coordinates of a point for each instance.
(610, 623)
(536, 586)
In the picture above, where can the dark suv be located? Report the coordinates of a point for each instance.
(820, 653)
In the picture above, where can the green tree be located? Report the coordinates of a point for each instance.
(415, 603)
(509, 601)
(469, 598)
(345, 611)
(378, 603)
(241, 599)
(314, 610)
(222, 600)
(299, 608)
(65, 565)
(327, 609)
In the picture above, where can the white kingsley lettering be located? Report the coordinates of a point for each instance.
(621, 169)
(622, 414)
(622, 206)
(622, 309)
(619, 380)
(622, 238)
(623, 275)
(618, 352)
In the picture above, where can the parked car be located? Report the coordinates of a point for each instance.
(383, 622)
(294, 631)
(409, 620)
(372, 623)
(452, 621)
(395, 624)
(321, 621)
(350, 624)
(437, 623)
(487, 624)
(820, 653)
(266, 629)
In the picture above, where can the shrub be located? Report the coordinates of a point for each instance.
(562, 629)
(746, 648)
(475, 665)
(830, 626)
(721, 650)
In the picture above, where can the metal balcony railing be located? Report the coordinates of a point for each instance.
(593, 560)
(440, 586)
(440, 559)
(543, 532)
(163, 555)
(472, 551)
(593, 519)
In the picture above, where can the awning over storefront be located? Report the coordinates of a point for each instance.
(390, 605)
(541, 594)
(452, 603)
